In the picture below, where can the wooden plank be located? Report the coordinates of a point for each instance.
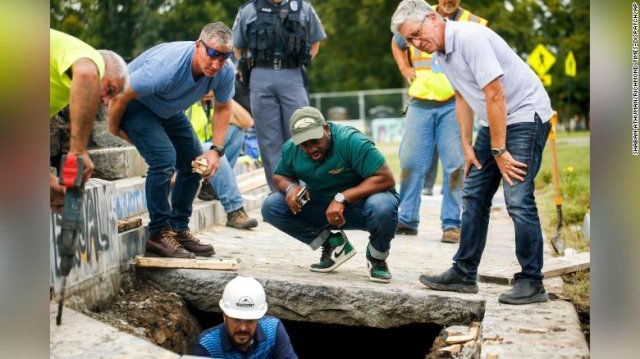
(553, 267)
(456, 339)
(198, 263)
(254, 173)
(453, 349)
(252, 183)
(127, 224)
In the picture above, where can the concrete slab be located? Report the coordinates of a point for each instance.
(82, 337)
(346, 296)
(117, 162)
(542, 330)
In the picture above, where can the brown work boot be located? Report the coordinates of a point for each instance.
(164, 244)
(451, 235)
(192, 244)
(403, 230)
(240, 220)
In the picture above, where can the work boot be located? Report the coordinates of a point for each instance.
(525, 291)
(406, 230)
(335, 250)
(193, 245)
(164, 244)
(451, 235)
(378, 269)
(240, 220)
(449, 281)
(207, 193)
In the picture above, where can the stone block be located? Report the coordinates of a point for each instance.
(101, 138)
(117, 163)
(292, 299)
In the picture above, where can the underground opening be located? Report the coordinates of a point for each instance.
(318, 340)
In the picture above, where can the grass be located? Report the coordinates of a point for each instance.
(574, 169)
(577, 287)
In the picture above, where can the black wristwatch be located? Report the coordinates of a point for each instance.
(497, 152)
(219, 149)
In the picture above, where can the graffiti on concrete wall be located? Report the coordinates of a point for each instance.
(98, 246)
(131, 201)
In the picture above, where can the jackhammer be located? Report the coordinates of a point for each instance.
(72, 220)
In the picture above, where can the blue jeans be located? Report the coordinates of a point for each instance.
(224, 180)
(165, 143)
(377, 214)
(525, 142)
(426, 129)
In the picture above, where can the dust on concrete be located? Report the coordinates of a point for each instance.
(162, 318)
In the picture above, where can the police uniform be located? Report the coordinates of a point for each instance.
(277, 39)
(431, 125)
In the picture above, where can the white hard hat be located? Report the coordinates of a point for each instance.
(243, 298)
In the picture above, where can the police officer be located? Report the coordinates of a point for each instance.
(278, 38)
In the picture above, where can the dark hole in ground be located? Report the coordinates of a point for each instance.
(317, 340)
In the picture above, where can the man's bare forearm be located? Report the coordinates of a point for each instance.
(117, 106)
(464, 113)
(497, 113)
(220, 122)
(381, 181)
(282, 182)
(84, 98)
(315, 48)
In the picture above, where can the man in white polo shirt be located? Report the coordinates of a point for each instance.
(490, 79)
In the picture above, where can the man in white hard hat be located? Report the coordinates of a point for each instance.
(246, 332)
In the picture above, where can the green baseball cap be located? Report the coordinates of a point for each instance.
(306, 124)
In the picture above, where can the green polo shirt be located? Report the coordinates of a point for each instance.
(351, 158)
(65, 50)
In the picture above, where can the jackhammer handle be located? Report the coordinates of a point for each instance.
(72, 168)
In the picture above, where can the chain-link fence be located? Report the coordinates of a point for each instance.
(378, 113)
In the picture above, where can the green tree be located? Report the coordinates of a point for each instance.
(356, 54)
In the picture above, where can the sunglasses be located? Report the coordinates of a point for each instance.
(213, 53)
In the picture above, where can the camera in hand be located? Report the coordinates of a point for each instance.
(300, 198)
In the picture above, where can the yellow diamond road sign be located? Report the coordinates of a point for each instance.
(541, 59)
(570, 65)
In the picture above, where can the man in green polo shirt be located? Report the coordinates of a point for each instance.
(349, 187)
(81, 77)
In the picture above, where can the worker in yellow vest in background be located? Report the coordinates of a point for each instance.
(223, 184)
(430, 126)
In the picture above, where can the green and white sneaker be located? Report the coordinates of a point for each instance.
(335, 250)
(378, 269)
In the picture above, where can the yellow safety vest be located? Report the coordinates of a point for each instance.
(430, 82)
(198, 118)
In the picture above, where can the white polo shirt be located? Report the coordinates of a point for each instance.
(474, 56)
